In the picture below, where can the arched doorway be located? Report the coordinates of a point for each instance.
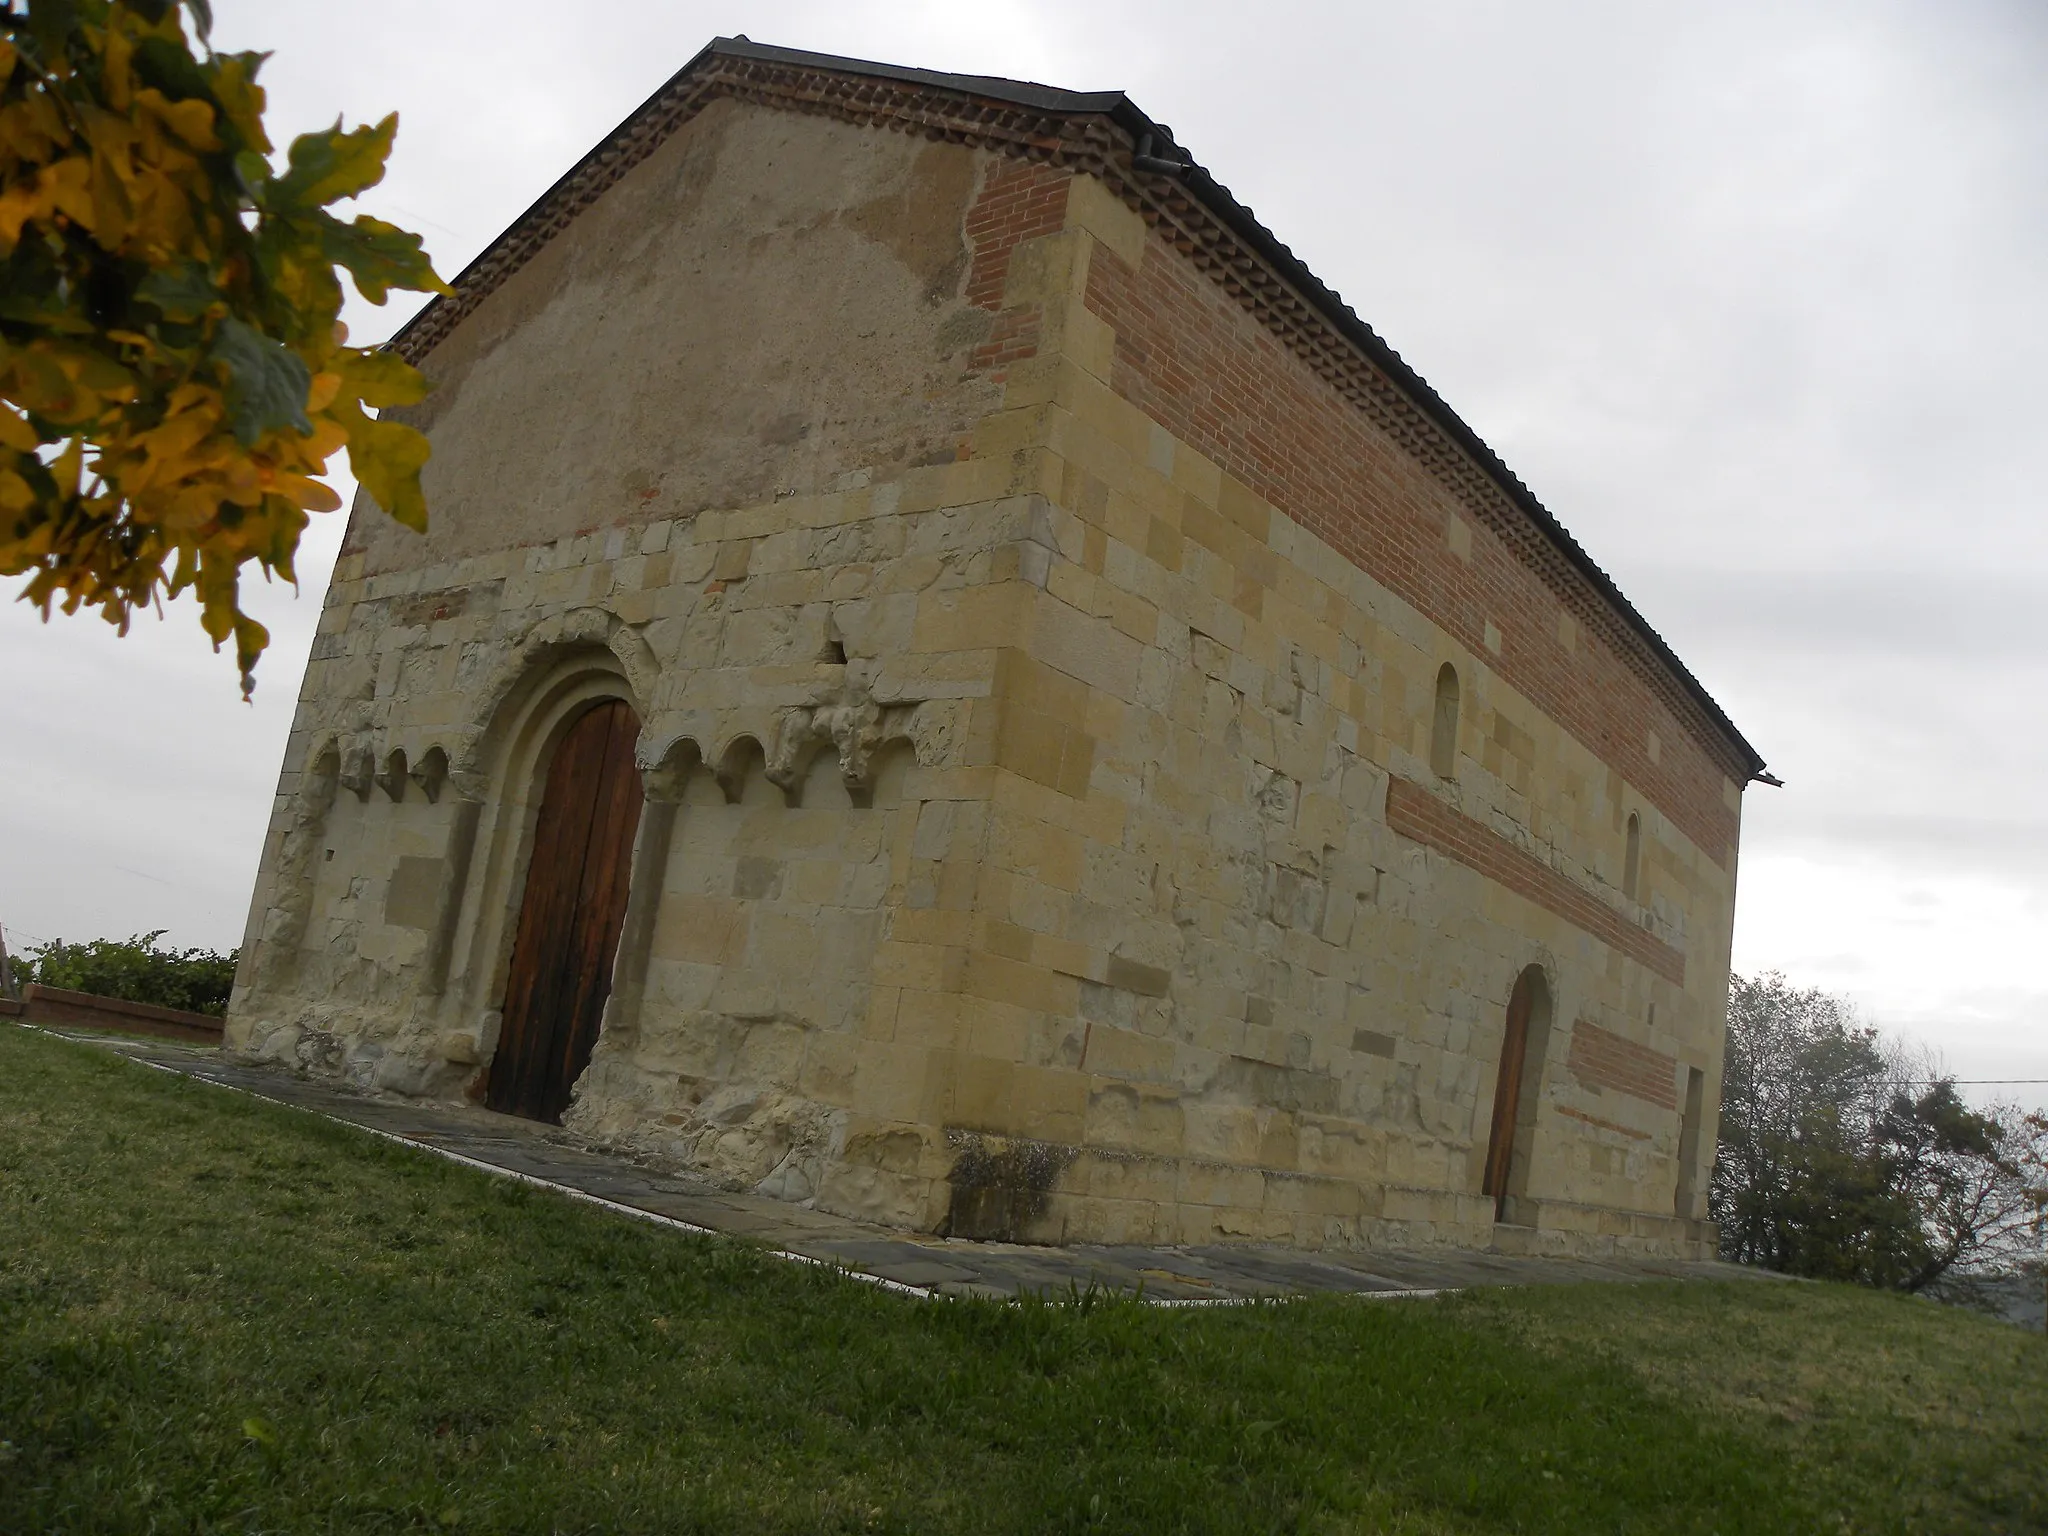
(570, 915)
(1515, 1090)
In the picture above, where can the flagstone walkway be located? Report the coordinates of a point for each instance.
(549, 1156)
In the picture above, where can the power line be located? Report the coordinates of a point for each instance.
(1974, 1082)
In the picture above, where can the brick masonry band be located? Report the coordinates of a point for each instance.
(59, 1008)
(1602, 1059)
(1417, 814)
(1054, 133)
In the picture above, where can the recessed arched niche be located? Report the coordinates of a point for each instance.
(1443, 731)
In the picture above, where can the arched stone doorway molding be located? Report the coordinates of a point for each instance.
(572, 909)
(501, 773)
(1518, 1083)
(582, 633)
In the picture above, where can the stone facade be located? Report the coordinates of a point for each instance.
(1111, 744)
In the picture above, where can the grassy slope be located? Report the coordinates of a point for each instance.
(217, 1314)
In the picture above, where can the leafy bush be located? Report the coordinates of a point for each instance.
(197, 980)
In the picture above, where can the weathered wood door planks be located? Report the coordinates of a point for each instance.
(1507, 1093)
(570, 915)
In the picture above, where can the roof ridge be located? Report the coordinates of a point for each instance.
(1168, 187)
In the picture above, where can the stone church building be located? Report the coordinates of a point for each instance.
(952, 679)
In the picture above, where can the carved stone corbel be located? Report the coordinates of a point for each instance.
(358, 772)
(855, 728)
(794, 734)
(852, 727)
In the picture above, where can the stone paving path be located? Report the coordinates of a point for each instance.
(924, 1265)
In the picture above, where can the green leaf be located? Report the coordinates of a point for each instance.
(202, 17)
(253, 172)
(36, 384)
(267, 382)
(299, 273)
(181, 292)
(379, 256)
(33, 290)
(262, 1431)
(331, 165)
(170, 67)
(51, 25)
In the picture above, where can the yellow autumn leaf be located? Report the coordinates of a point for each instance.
(68, 466)
(16, 433)
(329, 438)
(191, 121)
(175, 375)
(242, 99)
(36, 383)
(16, 494)
(242, 483)
(386, 458)
(66, 188)
(117, 72)
(194, 506)
(379, 378)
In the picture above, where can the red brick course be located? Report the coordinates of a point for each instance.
(1600, 1058)
(1251, 342)
(1195, 360)
(1415, 813)
(1019, 201)
(59, 1008)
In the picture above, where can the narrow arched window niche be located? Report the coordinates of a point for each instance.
(1443, 735)
(1632, 857)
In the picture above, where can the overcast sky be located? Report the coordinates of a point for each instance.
(1752, 296)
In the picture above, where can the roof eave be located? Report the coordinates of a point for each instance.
(1247, 227)
(1125, 114)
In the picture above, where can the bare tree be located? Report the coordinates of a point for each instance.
(1845, 1156)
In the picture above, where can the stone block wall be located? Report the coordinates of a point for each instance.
(1042, 835)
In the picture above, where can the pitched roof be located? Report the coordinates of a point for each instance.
(1105, 134)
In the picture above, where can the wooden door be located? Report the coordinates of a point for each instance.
(570, 915)
(1507, 1093)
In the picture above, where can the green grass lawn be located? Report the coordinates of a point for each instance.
(221, 1315)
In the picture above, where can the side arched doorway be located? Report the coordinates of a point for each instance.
(570, 915)
(1512, 1138)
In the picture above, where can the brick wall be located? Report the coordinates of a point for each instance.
(1415, 813)
(1600, 1058)
(1019, 201)
(1198, 363)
